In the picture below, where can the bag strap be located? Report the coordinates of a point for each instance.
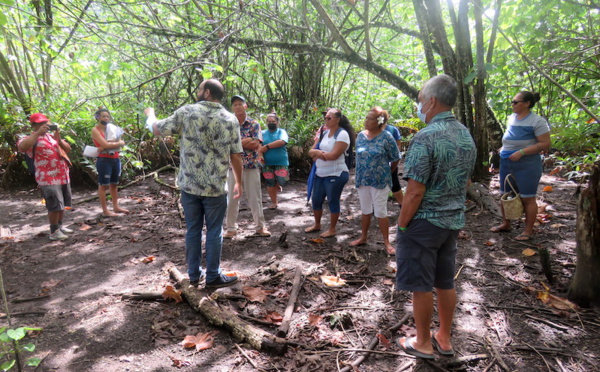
(513, 189)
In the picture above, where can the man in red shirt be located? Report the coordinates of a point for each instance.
(49, 153)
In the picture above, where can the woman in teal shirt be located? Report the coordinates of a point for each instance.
(275, 153)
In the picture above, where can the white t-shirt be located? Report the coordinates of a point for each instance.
(329, 168)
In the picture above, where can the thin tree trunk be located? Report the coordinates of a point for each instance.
(585, 287)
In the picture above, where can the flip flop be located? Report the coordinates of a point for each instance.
(273, 207)
(311, 229)
(325, 235)
(409, 349)
(435, 343)
(524, 237)
(354, 244)
(497, 229)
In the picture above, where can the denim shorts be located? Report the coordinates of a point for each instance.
(109, 171)
(425, 257)
(527, 173)
(57, 197)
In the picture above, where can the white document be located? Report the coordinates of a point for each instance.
(90, 151)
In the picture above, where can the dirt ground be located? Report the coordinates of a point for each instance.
(500, 323)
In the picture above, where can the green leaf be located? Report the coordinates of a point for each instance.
(33, 362)
(3, 19)
(29, 347)
(16, 334)
(7, 2)
(8, 365)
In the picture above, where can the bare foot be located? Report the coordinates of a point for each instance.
(500, 228)
(313, 228)
(273, 206)
(109, 214)
(120, 210)
(328, 234)
(390, 249)
(359, 241)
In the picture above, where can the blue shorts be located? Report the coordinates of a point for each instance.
(425, 257)
(109, 171)
(527, 173)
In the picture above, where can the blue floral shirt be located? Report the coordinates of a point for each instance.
(373, 157)
(442, 156)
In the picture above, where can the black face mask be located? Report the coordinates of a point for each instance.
(272, 127)
(104, 122)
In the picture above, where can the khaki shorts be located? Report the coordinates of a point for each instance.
(57, 197)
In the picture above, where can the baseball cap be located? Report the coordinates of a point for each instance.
(38, 118)
(241, 98)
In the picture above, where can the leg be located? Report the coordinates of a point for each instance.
(333, 219)
(272, 190)
(214, 211)
(194, 218)
(422, 313)
(384, 227)
(254, 195)
(380, 197)
(505, 170)
(396, 188)
(53, 218)
(365, 223)
(530, 206)
(114, 181)
(318, 197)
(114, 195)
(365, 198)
(233, 205)
(333, 188)
(446, 303)
(102, 197)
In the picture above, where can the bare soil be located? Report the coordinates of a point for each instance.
(87, 326)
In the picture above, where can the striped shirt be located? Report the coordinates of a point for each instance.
(522, 133)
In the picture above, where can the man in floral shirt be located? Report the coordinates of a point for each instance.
(209, 139)
(49, 153)
(251, 141)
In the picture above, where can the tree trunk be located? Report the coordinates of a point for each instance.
(222, 317)
(585, 287)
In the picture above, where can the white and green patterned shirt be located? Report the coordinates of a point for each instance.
(442, 156)
(209, 134)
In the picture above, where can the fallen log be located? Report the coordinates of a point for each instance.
(289, 310)
(242, 331)
(478, 193)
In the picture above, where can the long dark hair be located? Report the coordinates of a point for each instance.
(345, 124)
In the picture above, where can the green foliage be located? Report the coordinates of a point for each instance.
(9, 346)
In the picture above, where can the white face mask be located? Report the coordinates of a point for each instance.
(420, 114)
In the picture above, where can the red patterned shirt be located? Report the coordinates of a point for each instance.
(50, 167)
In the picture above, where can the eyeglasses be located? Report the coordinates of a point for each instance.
(515, 102)
(271, 122)
(328, 118)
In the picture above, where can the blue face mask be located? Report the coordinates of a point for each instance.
(422, 116)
